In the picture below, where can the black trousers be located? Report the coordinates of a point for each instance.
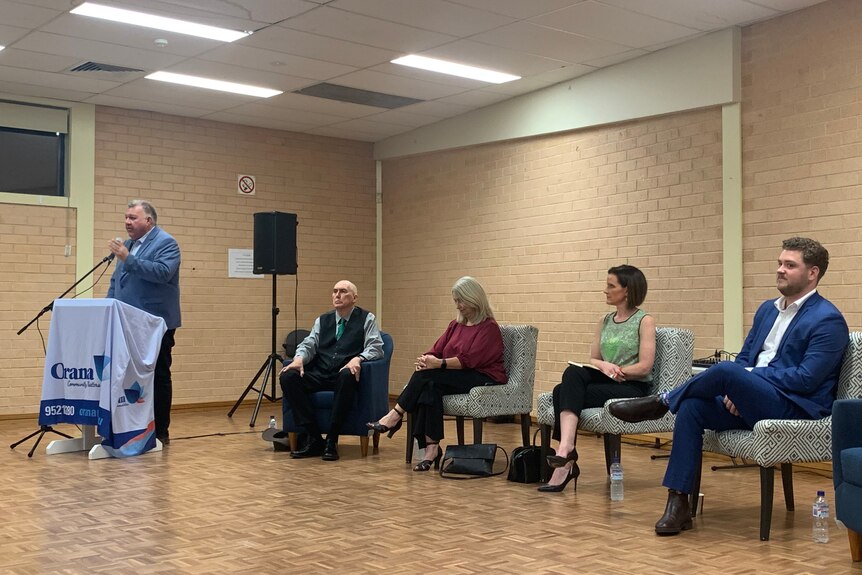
(423, 398)
(298, 390)
(163, 388)
(582, 388)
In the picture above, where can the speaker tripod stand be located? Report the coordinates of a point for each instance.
(270, 369)
(43, 429)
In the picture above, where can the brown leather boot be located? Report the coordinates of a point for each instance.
(677, 515)
(638, 409)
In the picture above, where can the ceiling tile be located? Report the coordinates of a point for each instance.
(261, 122)
(97, 51)
(344, 133)
(276, 62)
(550, 43)
(437, 108)
(475, 98)
(149, 105)
(302, 102)
(9, 34)
(334, 23)
(620, 26)
(396, 85)
(262, 109)
(80, 83)
(164, 92)
(9, 90)
(436, 15)
(26, 15)
(279, 39)
(406, 119)
(239, 74)
(37, 61)
(97, 30)
(519, 9)
(699, 15)
(539, 81)
(501, 59)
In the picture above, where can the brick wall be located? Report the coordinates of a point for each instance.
(188, 169)
(35, 271)
(540, 221)
(802, 147)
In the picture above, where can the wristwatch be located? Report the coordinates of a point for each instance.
(443, 364)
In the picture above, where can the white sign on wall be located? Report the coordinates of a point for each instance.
(245, 185)
(240, 264)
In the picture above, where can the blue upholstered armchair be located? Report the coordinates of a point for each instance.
(372, 402)
(847, 469)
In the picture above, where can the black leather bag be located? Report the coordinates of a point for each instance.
(526, 466)
(472, 461)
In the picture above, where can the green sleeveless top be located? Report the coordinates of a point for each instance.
(620, 342)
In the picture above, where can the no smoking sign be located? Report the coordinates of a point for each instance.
(245, 185)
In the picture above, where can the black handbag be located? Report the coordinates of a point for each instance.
(526, 464)
(472, 461)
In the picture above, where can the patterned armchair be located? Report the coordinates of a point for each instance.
(847, 469)
(515, 397)
(786, 441)
(673, 355)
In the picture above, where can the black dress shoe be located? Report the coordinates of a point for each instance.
(330, 451)
(638, 409)
(313, 448)
(164, 438)
(677, 515)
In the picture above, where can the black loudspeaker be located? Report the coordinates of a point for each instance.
(275, 243)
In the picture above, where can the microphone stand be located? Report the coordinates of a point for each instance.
(50, 306)
(43, 429)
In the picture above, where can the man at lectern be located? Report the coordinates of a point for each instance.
(329, 359)
(147, 277)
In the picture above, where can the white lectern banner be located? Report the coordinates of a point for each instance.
(99, 371)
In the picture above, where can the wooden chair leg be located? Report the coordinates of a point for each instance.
(855, 544)
(376, 442)
(695, 487)
(525, 429)
(459, 428)
(613, 444)
(409, 425)
(477, 430)
(291, 438)
(545, 450)
(787, 485)
(767, 487)
(363, 445)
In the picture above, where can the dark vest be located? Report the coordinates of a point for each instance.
(334, 354)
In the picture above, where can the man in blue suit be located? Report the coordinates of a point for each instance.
(788, 369)
(147, 276)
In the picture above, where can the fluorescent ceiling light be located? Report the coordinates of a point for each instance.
(1, 47)
(209, 84)
(453, 69)
(158, 22)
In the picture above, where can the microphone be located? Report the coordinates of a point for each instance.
(110, 256)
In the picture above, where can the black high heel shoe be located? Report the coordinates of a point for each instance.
(389, 431)
(574, 472)
(556, 461)
(425, 464)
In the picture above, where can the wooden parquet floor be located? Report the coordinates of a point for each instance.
(220, 500)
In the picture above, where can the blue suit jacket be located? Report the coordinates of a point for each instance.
(150, 279)
(805, 369)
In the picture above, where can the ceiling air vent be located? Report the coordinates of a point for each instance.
(356, 96)
(97, 67)
(106, 71)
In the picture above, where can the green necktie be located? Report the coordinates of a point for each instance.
(340, 329)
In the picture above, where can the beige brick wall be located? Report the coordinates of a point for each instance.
(802, 147)
(188, 169)
(34, 272)
(540, 221)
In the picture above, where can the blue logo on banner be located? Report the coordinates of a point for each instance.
(101, 362)
(134, 394)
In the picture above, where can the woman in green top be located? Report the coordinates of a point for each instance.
(621, 359)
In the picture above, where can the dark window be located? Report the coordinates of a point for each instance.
(32, 162)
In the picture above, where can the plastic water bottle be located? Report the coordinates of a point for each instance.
(820, 519)
(617, 490)
(273, 424)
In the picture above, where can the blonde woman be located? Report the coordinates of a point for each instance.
(467, 355)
